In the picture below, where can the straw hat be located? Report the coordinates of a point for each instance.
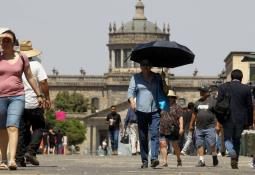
(27, 49)
(171, 93)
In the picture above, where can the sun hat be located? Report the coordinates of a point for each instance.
(171, 93)
(3, 29)
(27, 49)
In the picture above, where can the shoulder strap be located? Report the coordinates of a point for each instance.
(23, 61)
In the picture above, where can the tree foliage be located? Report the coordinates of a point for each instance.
(74, 130)
(74, 102)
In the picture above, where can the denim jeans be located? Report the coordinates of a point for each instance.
(28, 142)
(148, 122)
(11, 110)
(114, 137)
(232, 136)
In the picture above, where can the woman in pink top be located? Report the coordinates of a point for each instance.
(12, 101)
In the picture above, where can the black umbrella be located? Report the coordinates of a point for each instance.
(163, 54)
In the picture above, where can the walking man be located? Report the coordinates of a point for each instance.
(241, 113)
(33, 115)
(205, 126)
(188, 135)
(113, 119)
(131, 123)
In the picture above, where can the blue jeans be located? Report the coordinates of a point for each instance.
(232, 136)
(114, 137)
(148, 122)
(11, 110)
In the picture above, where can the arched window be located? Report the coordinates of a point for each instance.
(95, 103)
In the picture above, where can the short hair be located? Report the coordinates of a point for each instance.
(237, 74)
(191, 105)
(113, 106)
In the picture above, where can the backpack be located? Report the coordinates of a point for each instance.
(222, 108)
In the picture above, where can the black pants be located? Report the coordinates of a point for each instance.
(28, 142)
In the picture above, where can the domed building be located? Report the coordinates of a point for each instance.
(124, 38)
(111, 88)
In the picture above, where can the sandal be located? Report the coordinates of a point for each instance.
(3, 165)
(12, 165)
(164, 165)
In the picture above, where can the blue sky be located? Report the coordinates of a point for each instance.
(74, 33)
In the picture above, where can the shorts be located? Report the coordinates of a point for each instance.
(11, 110)
(169, 137)
(208, 135)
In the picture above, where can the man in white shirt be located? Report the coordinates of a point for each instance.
(33, 115)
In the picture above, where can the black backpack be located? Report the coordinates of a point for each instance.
(222, 108)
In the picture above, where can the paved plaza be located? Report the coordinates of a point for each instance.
(126, 165)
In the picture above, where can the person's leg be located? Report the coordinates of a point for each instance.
(37, 121)
(3, 130)
(3, 144)
(200, 147)
(14, 113)
(188, 143)
(210, 137)
(163, 149)
(237, 133)
(177, 151)
(111, 136)
(132, 139)
(142, 119)
(154, 131)
(116, 140)
(21, 148)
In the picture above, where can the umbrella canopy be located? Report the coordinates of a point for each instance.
(163, 54)
(248, 58)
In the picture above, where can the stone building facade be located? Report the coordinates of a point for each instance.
(111, 88)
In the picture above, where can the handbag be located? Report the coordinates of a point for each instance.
(162, 99)
(125, 138)
(222, 108)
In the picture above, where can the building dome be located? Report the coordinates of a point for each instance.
(139, 26)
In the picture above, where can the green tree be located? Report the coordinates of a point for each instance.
(74, 130)
(74, 102)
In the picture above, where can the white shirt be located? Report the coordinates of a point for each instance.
(39, 74)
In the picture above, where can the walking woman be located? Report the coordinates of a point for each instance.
(171, 128)
(12, 100)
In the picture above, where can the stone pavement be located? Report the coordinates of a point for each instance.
(126, 165)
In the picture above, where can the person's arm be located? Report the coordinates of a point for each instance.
(218, 127)
(181, 125)
(45, 90)
(127, 119)
(192, 121)
(107, 119)
(250, 109)
(132, 93)
(32, 83)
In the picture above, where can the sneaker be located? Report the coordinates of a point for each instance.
(144, 165)
(32, 159)
(252, 164)
(183, 153)
(200, 163)
(154, 163)
(179, 163)
(215, 160)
